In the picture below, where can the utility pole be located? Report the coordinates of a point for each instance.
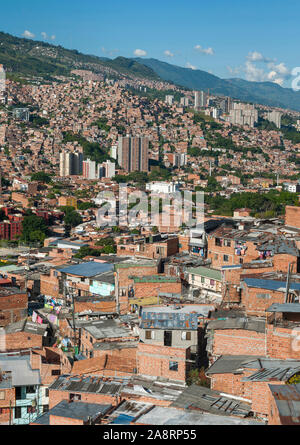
(288, 284)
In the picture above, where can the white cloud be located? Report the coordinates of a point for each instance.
(28, 35)
(140, 53)
(53, 37)
(168, 53)
(192, 67)
(44, 35)
(207, 51)
(259, 68)
(255, 56)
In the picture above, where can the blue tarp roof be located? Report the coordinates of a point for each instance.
(269, 284)
(122, 419)
(89, 269)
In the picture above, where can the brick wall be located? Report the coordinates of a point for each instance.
(21, 340)
(13, 308)
(9, 400)
(282, 343)
(254, 302)
(292, 216)
(155, 360)
(56, 397)
(238, 342)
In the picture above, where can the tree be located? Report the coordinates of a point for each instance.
(41, 177)
(72, 219)
(34, 229)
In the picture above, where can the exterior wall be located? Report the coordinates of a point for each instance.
(282, 343)
(238, 342)
(25, 403)
(18, 340)
(87, 342)
(6, 404)
(123, 282)
(258, 393)
(216, 253)
(177, 341)
(152, 289)
(50, 285)
(56, 397)
(254, 302)
(281, 263)
(205, 283)
(292, 216)
(154, 361)
(13, 308)
(55, 420)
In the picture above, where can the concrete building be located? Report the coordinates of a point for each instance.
(133, 154)
(275, 117)
(70, 163)
(89, 169)
(243, 114)
(200, 99)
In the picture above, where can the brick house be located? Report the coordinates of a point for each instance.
(170, 340)
(248, 378)
(13, 305)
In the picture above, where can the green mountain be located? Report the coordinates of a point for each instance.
(265, 93)
(39, 59)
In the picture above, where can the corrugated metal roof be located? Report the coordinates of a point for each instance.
(210, 401)
(287, 399)
(238, 323)
(169, 320)
(89, 269)
(270, 284)
(287, 307)
(213, 274)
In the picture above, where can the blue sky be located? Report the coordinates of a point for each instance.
(257, 40)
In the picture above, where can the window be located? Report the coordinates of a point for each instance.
(2, 395)
(186, 336)
(18, 412)
(225, 258)
(55, 372)
(91, 354)
(264, 296)
(218, 242)
(202, 280)
(227, 243)
(173, 366)
(47, 392)
(30, 389)
(45, 408)
(31, 409)
(91, 340)
(150, 335)
(168, 338)
(75, 397)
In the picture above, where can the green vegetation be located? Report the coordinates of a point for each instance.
(86, 205)
(265, 205)
(34, 229)
(91, 150)
(198, 377)
(87, 251)
(41, 177)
